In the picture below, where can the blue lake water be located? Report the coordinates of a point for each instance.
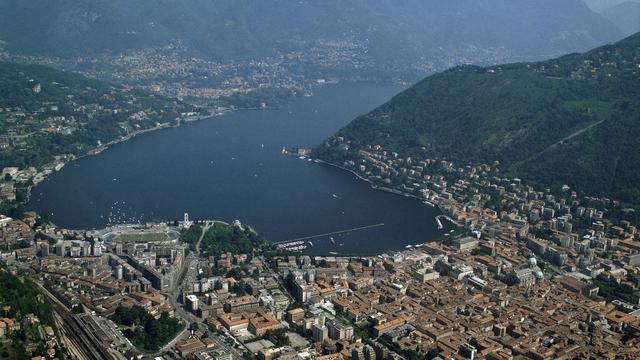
(231, 167)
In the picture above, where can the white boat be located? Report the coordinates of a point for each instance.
(333, 241)
(428, 203)
(310, 243)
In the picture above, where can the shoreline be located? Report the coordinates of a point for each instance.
(182, 121)
(382, 188)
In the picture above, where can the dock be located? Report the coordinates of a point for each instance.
(331, 233)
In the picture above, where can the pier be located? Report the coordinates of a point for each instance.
(330, 233)
(439, 221)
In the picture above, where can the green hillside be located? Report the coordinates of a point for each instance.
(46, 113)
(573, 120)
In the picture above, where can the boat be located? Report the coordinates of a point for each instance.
(333, 253)
(333, 241)
(408, 247)
(335, 196)
(310, 243)
(428, 203)
(301, 157)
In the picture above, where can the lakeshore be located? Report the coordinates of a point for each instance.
(232, 168)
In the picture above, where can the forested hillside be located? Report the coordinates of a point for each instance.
(573, 120)
(46, 113)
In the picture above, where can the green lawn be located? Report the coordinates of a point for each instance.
(142, 237)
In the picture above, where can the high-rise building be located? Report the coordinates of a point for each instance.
(192, 302)
(319, 330)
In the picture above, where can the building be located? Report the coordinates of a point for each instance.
(190, 346)
(192, 303)
(262, 323)
(465, 243)
(234, 322)
(319, 330)
(295, 316)
(522, 277)
(468, 351)
(339, 330)
(241, 303)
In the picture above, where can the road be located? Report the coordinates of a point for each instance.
(190, 264)
(561, 141)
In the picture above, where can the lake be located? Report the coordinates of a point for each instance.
(231, 167)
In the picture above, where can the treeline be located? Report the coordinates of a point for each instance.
(191, 235)
(23, 297)
(144, 331)
(221, 238)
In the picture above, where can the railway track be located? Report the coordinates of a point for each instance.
(86, 346)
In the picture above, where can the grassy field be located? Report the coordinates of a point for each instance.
(142, 237)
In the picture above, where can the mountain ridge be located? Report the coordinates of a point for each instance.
(411, 30)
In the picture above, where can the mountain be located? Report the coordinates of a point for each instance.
(573, 120)
(626, 16)
(391, 31)
(46, 113)
(601, 5)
